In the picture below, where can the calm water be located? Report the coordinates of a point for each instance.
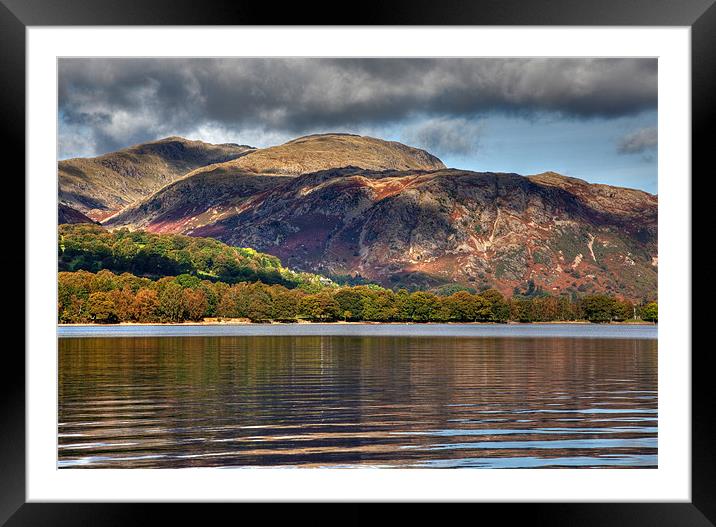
(357, 401)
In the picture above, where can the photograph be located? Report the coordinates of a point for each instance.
(411, 255)
(357, 262)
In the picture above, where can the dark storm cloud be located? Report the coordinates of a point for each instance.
(111, 103)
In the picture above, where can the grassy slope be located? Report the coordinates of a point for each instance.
(100, 186)
(320, 152)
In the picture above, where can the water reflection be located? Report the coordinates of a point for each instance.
(357, 401)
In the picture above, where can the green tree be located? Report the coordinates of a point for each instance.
(422, 306)
(522, 310)
(103, 281)
(321, 307)
(499, 308)
(379, 305)
(650, 312)
(465, 307)
(171, 303)
(187, 280)
(598, 308)
(623, 310)
(350, 303)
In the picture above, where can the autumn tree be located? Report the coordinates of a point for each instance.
(260, 304)
(122, 300)
(285, 303)
(73, 290)
(211, 294)
(101, 308)
(232, 303)
(145, 307)
(195, 303)
(104, 297)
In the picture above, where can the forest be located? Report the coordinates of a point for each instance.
(106, 297)
(136, 276)
(92, 248)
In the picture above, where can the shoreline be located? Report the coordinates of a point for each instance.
(366, 323)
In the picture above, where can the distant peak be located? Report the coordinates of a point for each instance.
(326, 135)
(248, 147)
(175, 139)
(557, 177)
(554, 179)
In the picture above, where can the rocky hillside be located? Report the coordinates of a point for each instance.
(341, 205)
(421, 229)
(217, 191)
(68, 215)
(604, 198)
(101, 186)
(204, 198)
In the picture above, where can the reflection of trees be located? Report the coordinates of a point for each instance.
(315, 400)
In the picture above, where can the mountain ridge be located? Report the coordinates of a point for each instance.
(421, 227)
(101, 186)
(428, 228)
(316, 152)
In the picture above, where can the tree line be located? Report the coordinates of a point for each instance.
(106, 297)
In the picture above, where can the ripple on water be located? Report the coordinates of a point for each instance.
(357, 401)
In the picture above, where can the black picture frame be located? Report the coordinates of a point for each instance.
(699, 15)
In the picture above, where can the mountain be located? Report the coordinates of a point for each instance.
(339, 204)
(211, 193)
(420, 228)
(101, 186)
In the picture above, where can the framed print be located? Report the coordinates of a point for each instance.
(412, 250)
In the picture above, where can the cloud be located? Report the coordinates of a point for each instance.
(642, 141)
(444, 136)
(116, 102)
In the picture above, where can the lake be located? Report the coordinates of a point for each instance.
(404, 396)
